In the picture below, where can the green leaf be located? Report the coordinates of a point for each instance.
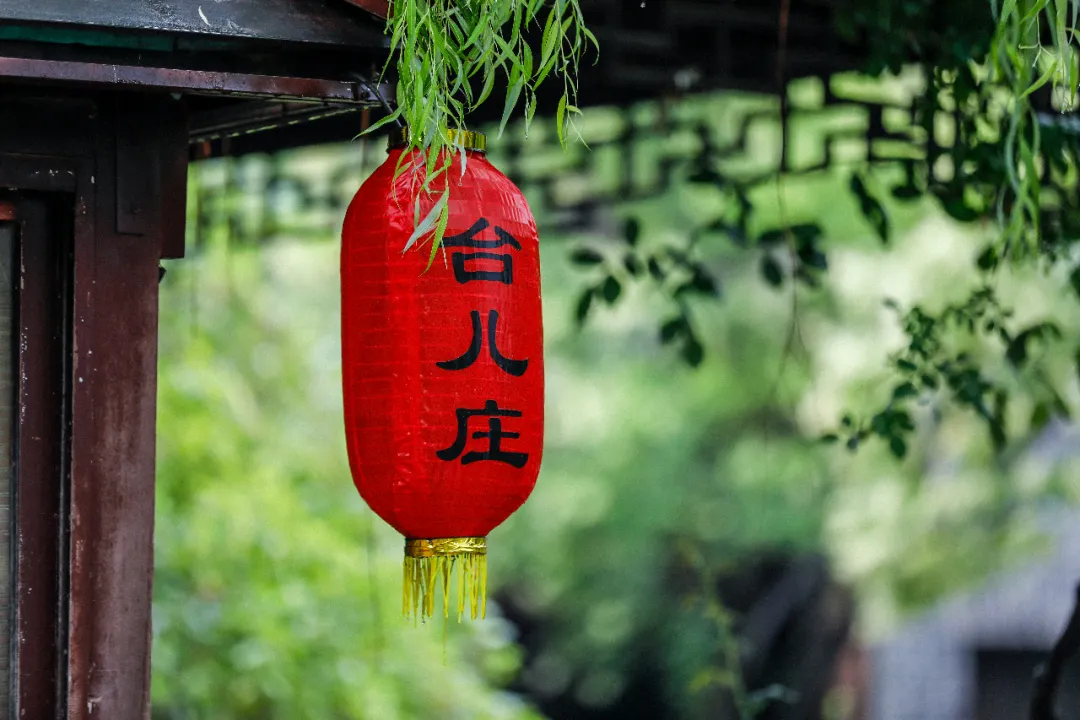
(672, 329)
(871, 207)
(693, 351)
(907, 191)
(429, 222)
(904, 390)
(1007, 9)
(1040, 416)
(655, 270)
(489, 84)
(533, 8)
(988, 259)
(772, 237)
(898, 447)
(611, 289)
(547, 45)
(592, 39)
(770, 270)
(560, 121)
(586, 256)
(1034, 10)
(474, 36)
(583, 305)
(440, 232)
(383, 122)
(632, 231)
(526, 62)
(512, 95)
(807, 233)
(530, 110)
(1043, 79)
(704, 283)
(545, 70)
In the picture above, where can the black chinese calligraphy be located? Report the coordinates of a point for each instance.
(513, 367)
(494, 437)
(468, 239)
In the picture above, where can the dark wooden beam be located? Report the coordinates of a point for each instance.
(379, 8)
(321, 22)
(133, 77)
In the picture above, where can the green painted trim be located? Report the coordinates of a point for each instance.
(105, 38)
(91, 38)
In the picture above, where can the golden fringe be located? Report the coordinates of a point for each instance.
(423, 574)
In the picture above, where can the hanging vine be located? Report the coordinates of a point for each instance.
(1002, 77)
(451, 54)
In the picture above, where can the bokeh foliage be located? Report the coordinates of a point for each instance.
(276, 593)
(277, 590)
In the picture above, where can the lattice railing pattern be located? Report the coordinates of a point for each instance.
(633, 154)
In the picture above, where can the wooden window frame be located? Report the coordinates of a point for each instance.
(41, 336)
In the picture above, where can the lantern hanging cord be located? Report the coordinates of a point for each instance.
(376, 91)
(431, 561)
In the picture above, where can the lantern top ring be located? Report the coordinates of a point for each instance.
(467, 139)
(434, 547)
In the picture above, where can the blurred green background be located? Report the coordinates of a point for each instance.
(277, 592)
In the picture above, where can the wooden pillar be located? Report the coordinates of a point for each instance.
(110, 173)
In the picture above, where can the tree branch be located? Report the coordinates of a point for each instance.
(1048, 674)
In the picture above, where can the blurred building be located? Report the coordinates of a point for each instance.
(973, 656)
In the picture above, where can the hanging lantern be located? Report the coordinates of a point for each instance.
(443, 367)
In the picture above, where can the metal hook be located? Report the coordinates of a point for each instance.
(376, 91)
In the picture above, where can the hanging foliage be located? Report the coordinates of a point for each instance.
(451, 54)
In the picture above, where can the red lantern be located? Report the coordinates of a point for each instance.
(442, 365)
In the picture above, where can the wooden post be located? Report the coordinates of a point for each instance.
(102, 185)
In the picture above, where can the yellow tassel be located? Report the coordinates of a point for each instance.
(427, 561)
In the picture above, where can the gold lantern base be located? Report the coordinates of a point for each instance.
(429, 561)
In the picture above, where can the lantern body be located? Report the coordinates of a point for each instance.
(443, 365)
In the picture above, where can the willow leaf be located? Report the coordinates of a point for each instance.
(383, 121)
(526, 61)
(592, 38)
(440, 229)
(560, 121)
(1043, 79)
(1033, 13)
(547, 45)
(1061, 40)
(545, 70)
(530, 110)
(512, 94)
(1007, 10)
(489, 84)
(429, 222)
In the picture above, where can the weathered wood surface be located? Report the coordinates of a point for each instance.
(117, 164)
(329, 22)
